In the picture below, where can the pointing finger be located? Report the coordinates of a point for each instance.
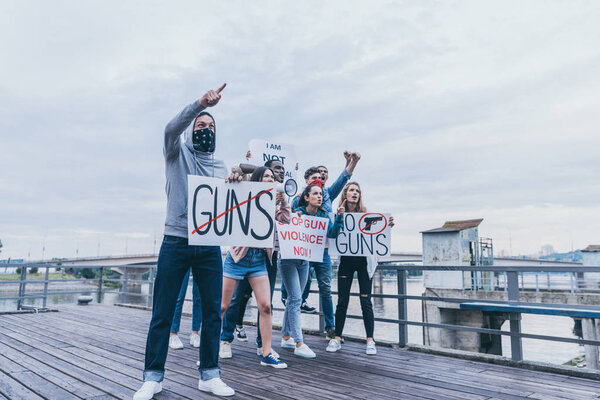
(221, 88)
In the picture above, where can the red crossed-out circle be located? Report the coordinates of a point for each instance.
(372, 232)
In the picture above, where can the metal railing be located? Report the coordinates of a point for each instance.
(96, 284)
(511, 280)
(512, 285)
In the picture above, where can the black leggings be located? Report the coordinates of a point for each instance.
(349, 265)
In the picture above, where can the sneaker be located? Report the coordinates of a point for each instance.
(216, 386)
(304, 351)
(240, 334)
(333, 346)
(371, 349)
(288, 344)
(225, 350)
(330, 334)
(148, 390)
(305, 308)
(271, 361)
(175, 342)
(195, 340)
(273, 352)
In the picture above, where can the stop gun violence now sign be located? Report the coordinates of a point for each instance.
(303, 238)
(363, 234)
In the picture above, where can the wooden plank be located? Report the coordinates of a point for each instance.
(51, 374)
(13, 389)
(87, 334)
(191, 388)
(69, 368)
(41, 386)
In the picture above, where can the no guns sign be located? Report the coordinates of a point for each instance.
(363, 234)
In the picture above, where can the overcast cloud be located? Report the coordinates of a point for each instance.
(460, 110)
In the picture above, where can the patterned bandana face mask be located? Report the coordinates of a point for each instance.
(204, 140)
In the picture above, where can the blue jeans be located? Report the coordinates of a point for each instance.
(175, 259)
(306, 292)
(196, 306)
(231, 317)
(294, 274)
(323, 272)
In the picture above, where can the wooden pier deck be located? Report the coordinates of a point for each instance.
(97, 352)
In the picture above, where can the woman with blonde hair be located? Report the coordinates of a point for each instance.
(352, 199)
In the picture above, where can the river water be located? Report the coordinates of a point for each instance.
(533, 350)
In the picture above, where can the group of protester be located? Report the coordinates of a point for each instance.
(221, 289)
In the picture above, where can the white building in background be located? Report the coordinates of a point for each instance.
(591, 258)
(453, 244)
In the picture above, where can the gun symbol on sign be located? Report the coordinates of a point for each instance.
(371, 221)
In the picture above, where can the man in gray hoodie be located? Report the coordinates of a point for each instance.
(188, 149)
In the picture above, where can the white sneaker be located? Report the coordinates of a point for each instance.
(304, 351)
(175, 342)
(371, 349)
(273, 352)
(333, 346)
(288, 344)
(225, 350)
(148, 390)
(195, 340)
(216, 386)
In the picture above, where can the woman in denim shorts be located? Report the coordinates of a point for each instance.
(251, 263)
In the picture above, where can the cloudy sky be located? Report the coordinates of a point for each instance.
(460, 110)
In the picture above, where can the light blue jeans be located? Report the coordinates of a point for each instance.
(294, 274)
(196, 306)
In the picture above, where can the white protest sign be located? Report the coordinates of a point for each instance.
(233, 214)
(363, 234)
(303, 238)
(264, 150)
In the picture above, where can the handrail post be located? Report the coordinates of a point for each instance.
(516, 342)
(99, 297)
(321, 315)
(124, 288)
(149, 299)
(22, 286)
(46, 287)
(402, 308)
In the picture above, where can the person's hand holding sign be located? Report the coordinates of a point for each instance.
(234, 177)
(212, 97)
(341, 209)
(280, 198)
(391, 221)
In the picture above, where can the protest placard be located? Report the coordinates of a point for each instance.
(233, 214)
(303, 238)
(363, 234)
(264, 150)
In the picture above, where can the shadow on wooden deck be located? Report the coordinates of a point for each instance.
(97, 352)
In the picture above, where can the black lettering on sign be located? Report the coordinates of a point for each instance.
(244, 224)
(201, 232)
(339, 243)
(377, 237)
(349, 222)
(266, 214)
(225, 217)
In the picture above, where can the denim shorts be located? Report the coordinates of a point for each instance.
(252, 265)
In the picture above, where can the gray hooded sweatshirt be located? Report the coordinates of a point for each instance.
(181, 160)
